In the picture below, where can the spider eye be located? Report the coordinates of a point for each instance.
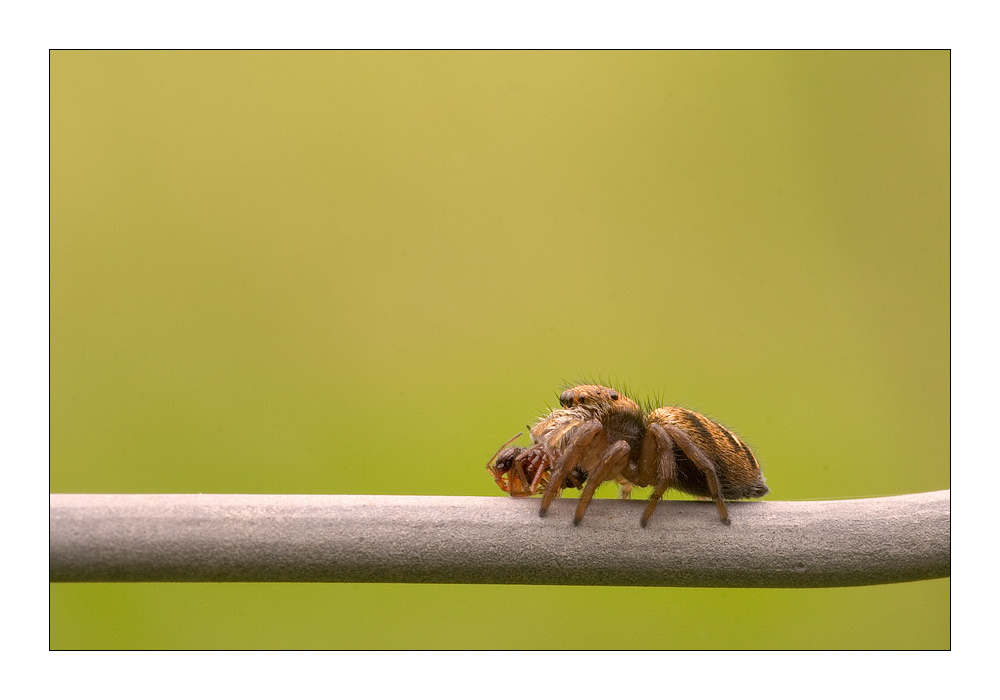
(567, 398)
(613, 395)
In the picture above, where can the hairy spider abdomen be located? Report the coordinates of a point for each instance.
(738, 473)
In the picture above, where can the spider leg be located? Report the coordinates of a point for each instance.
(541, 462)
(612, 462)
(666, 469)
(644, 473)
(576, 450)
(703, 463)
(625, 489)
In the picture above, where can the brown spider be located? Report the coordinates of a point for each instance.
(601, 435)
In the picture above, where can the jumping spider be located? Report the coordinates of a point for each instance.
(599, 434)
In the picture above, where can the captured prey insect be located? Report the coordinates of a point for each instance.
(523, 471)
(599, 434)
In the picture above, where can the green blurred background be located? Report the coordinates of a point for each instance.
(361, 272)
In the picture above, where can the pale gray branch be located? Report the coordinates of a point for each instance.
(435, 539)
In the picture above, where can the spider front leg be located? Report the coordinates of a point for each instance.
(579, 440)
(538, 463)
(611, 463)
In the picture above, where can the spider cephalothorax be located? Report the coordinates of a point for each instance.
(599, 434)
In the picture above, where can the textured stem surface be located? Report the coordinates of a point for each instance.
(437, 539)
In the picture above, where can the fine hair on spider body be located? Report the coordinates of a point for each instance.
(599, 434)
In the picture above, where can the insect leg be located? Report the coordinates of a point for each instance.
(703, 463)
(518, 476)
(612, 462)
(571, 456)
(540, 463)
(666, 468)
